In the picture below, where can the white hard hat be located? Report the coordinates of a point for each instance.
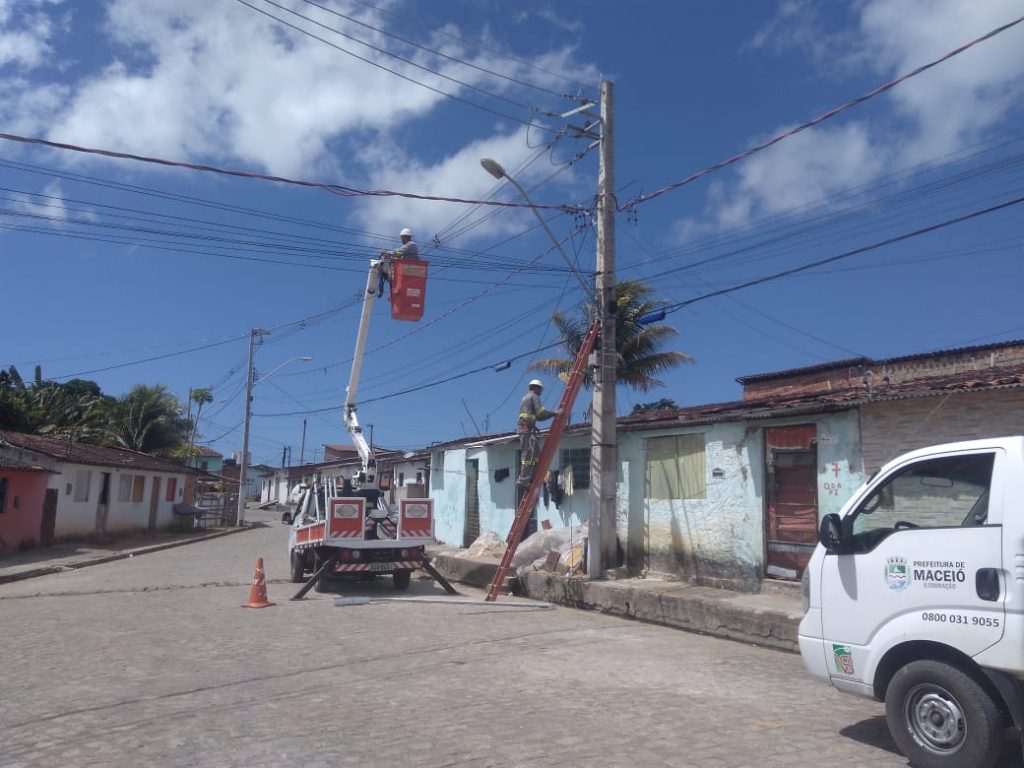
(537, 383)
(405, 232)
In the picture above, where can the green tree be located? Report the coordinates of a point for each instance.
(148, 419)
(657, 405)
(75, 408)
(641, 358)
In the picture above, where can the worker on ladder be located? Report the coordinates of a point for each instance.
(531, 410)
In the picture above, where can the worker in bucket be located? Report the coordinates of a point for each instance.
(407, 250)
(531, 410)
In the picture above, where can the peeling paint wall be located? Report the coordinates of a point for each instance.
(448, 490)
(840, 464)
(498, 498)
(719, 540)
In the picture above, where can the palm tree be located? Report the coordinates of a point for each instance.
(201, 397)
(148, 419)
(640, 359)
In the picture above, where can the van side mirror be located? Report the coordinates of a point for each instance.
(830, 533)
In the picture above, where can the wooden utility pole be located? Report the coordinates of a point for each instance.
(603, 454)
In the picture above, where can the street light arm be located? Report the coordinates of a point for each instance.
(495, 169)
(264, 377)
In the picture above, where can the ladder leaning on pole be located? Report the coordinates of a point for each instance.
(526, 504)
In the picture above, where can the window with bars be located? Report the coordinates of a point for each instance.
(82, 477)
(579, 460)
(124, 488)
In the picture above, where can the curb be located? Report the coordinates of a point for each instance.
(123, 555)
(706, 611)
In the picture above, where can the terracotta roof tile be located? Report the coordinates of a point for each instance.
(83, 453)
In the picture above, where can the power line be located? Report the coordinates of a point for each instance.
(436, 52)
(373, 63)
(775, 222)
(846, 254)
(386, 52)
(155, 357)
(893, 205)
(424, 326)
(819, 119)
(334, 189)
(479, 46)
(500, 364)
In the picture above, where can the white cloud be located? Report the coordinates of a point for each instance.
(47, 208)
(929, 116)
(25, 33)
(218, 82)
(458, 175)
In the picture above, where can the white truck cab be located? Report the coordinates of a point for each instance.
(915, 597)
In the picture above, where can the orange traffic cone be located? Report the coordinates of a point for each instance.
(258, 593)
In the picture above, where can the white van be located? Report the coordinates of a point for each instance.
(915, 597)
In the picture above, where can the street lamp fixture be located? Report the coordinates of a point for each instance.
(264, 377)
(250, 382)
(494, 168)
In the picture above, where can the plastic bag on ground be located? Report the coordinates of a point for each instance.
(537, 546)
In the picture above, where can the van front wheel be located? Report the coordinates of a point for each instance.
(940, 717)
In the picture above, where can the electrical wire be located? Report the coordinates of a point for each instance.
(777, 241)
(435, 52)
(464, 374)
(334, 189)
(393, 55)
(817, 120)
(846, 254)
(378, 65)
(478, 46)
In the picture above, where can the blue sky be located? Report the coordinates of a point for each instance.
(109, 262)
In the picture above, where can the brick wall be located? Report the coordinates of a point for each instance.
(800, 384)
(893, 427)
(895, 369)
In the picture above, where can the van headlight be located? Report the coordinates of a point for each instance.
(805, 590)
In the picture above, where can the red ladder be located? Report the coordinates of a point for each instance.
(551, 440)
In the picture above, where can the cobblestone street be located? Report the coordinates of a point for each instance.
(152, 661)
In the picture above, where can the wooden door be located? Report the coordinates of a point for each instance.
(154, 501)
(48, 526)
(791, 514)
(103, 504)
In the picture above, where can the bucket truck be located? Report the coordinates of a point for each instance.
(344, 525)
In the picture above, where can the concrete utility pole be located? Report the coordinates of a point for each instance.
(603, 454)
(244, 464)
(302, 450)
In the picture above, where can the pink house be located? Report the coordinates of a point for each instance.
(22, 494)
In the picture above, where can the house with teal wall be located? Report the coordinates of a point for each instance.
(731, 494)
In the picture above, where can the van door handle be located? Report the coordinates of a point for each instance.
(986, 582)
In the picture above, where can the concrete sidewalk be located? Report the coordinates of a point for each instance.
(770, 618)
(73, 555)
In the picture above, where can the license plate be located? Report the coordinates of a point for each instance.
(380, 566)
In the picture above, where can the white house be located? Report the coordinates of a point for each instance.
(100, 489)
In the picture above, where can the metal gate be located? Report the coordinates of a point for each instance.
(472, 516)
(791, 514)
